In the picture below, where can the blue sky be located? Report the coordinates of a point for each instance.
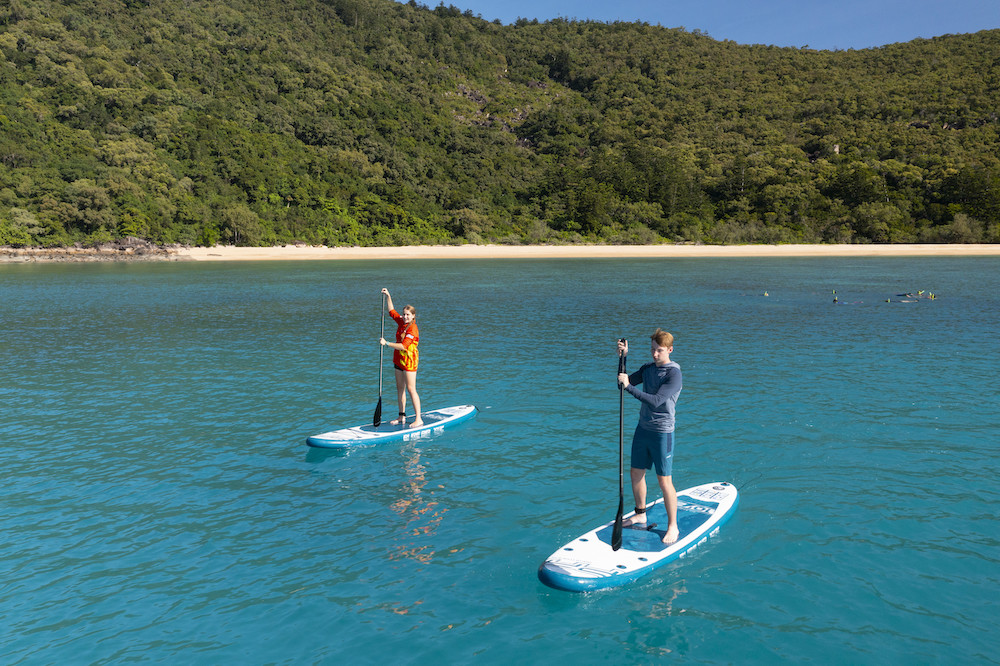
(819, 24)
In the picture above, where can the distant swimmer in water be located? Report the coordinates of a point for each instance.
(910, 297)
(920, 294)
(837, 301)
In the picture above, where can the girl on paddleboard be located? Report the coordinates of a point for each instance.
(404, 359)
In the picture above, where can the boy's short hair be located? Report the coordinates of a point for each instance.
(662, 338)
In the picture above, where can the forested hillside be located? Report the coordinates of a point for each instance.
(369, 122)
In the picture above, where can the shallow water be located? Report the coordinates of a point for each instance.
(160, 503)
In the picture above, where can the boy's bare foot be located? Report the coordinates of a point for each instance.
(638, 519)
(416, 424)
(671, 536)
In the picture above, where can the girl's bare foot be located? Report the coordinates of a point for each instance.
(671, 536)
(416, 424)
(400, 420)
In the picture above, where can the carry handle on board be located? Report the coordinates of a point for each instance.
(616, 532)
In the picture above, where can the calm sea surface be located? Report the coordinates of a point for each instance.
(159, 502)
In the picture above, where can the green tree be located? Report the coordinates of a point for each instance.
(240, 225)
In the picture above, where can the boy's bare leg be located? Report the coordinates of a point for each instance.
(670, 504)
(639, 494)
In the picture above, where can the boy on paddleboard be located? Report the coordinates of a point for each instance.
(653, 440)
(405, 359)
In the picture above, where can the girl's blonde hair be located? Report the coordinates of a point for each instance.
(412, 309)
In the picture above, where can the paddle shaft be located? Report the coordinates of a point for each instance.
(616, 532)
(377, 418)
(381, 334)
(621, 429)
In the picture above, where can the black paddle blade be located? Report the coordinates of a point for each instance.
(377, 420)
(616, 532)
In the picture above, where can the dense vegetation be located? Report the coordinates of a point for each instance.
(373, 122)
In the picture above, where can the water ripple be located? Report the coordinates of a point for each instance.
(159, 503)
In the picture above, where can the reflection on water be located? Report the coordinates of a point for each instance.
(665, 607)
(417, 507)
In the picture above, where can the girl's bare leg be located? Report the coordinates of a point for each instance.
(411, 388)
(400, 399)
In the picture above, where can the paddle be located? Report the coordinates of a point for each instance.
(377, 420)
(616, 532)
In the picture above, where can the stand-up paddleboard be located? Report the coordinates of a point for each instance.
(589, 563)
(366, 435)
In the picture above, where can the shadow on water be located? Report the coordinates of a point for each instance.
(315, 455)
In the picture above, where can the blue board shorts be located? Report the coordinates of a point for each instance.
(653, 449)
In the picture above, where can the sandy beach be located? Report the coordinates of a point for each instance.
(304, 252)
(149, 252)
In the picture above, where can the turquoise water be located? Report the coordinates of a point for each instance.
(159, 502)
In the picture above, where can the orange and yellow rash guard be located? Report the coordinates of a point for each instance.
(408, 336)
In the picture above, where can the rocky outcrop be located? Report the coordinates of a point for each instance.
(125, 249)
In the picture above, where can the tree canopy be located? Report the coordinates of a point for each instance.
(370, 122)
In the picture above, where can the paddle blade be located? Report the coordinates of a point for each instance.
(377, 420)
(616, 532)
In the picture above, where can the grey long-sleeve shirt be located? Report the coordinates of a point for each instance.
(660, 388)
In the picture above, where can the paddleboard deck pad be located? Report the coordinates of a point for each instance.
(366, 435)
(588, 562)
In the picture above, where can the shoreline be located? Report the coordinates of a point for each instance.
(322, 253)
(311, 253)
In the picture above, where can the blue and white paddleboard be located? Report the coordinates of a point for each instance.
(366, 435)
(588, 563)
